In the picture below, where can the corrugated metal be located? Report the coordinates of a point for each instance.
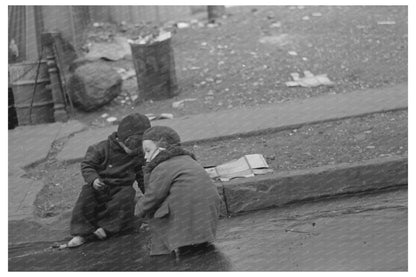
(25, 26)
(17, 30)
(32, 51)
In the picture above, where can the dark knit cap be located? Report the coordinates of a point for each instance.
(163, 135)
(133, 124)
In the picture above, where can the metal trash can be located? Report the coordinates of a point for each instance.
(32, 107)
(155, 70)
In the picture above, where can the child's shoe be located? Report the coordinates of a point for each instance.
(76, 241)
(100, 233)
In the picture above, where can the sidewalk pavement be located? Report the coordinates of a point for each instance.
(251, 120)
(28, 145)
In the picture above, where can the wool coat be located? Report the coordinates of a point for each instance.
(181, 201)
(113, 207)
(108, 161)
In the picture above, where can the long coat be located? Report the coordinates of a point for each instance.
(181, 200)
(108, 161)
(112, 208)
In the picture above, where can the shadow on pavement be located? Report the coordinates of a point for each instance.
(127, 252)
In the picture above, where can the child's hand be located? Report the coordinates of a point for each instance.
(98, 184)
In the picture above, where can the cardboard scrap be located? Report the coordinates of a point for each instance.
(180, 104)
(152, 116)
(246, 166)
(388, 22)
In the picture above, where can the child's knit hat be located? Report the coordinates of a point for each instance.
(162, 135)
(133, 124)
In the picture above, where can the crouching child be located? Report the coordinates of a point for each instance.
(105, 205)
(180, 200)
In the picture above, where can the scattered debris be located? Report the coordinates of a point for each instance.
(98, 24)
(182, 25)
(152, 116)
(386, 22)
(292, 53)
(212, 25)
(113, 49)
(126, 74)
(371, 147)
(305, 17)
(111, 119)
(309, 80)
(280, 40)
(180, 104)
(316, 14)
(304, 58)
(149, 39)
(104, 115)
(276, 25)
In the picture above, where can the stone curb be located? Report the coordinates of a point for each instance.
(261, 192)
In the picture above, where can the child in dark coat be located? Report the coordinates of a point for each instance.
(106, 203)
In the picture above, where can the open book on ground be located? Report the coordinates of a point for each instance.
(246, 166)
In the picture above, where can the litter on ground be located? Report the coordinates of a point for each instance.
(386, 22)
(246, 166)
(152, 116)
(180, 104)
(309, 80)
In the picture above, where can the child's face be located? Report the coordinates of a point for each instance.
(150, 150)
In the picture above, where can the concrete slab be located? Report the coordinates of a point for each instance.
(251, 120)
(69, 128)
(31, 144)
(76, 146)
(28, 145)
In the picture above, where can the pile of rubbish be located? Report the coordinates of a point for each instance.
(152, 38)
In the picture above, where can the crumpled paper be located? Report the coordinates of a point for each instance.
(309, 80)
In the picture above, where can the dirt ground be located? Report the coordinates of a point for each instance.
(245, 61)
(343, 141)
(248, 58)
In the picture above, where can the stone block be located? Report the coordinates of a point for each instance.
(281, 188)
(223, 207)
(94, 85)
